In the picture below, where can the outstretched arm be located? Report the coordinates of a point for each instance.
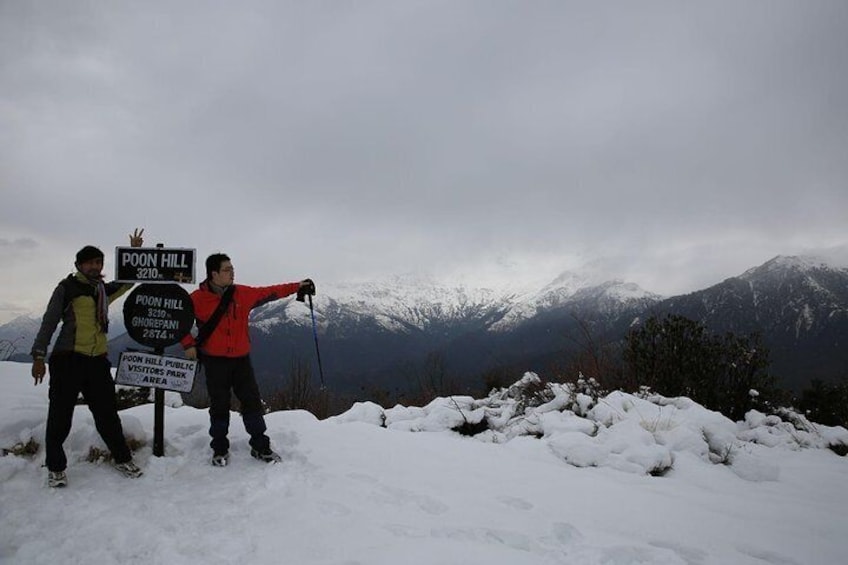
(259, 295)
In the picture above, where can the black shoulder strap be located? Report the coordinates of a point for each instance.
(206, 329)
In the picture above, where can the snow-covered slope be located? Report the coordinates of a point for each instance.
(400, 303)
(799, 282)
(560, 483)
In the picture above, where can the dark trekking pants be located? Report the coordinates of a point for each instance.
(70, 375)
(225, 374)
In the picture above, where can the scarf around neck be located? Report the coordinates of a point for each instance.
(102, 306)
(101, 301)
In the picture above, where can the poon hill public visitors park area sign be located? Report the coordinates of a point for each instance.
(157, 313)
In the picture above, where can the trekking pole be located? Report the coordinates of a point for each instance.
(314, 335)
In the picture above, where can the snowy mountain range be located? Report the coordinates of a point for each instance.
(798, 304)
(386, 334)
(407, 304)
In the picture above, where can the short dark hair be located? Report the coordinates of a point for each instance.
(213, 263)
(88, 253)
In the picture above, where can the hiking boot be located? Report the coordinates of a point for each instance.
(267, 455)
(56, 479)
(220, 459)
(129, 469)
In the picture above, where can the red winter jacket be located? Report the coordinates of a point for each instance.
(230, 337)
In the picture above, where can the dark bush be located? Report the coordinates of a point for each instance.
(826, 403)
(677, 356)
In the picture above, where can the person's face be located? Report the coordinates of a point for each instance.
(225, 275)
(91, 268)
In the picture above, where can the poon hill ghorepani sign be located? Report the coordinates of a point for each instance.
(158, 315)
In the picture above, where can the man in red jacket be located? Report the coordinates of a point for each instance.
(221, 309)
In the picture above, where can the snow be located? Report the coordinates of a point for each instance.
(627, 292)
(559, 476)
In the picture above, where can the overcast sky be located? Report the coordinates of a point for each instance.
(673, 144)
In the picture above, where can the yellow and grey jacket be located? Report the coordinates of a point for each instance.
(74, 302)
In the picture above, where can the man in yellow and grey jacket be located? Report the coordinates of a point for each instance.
(78, 362)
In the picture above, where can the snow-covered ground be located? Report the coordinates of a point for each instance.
(563, 482)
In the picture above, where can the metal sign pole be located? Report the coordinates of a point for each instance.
(159, 416)
(159, 408)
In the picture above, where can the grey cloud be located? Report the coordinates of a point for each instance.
(20, 244)
(385, 135)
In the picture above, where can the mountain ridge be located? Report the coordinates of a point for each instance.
(375, 331)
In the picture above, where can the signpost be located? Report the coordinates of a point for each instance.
(154, 265)
(157, 314)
